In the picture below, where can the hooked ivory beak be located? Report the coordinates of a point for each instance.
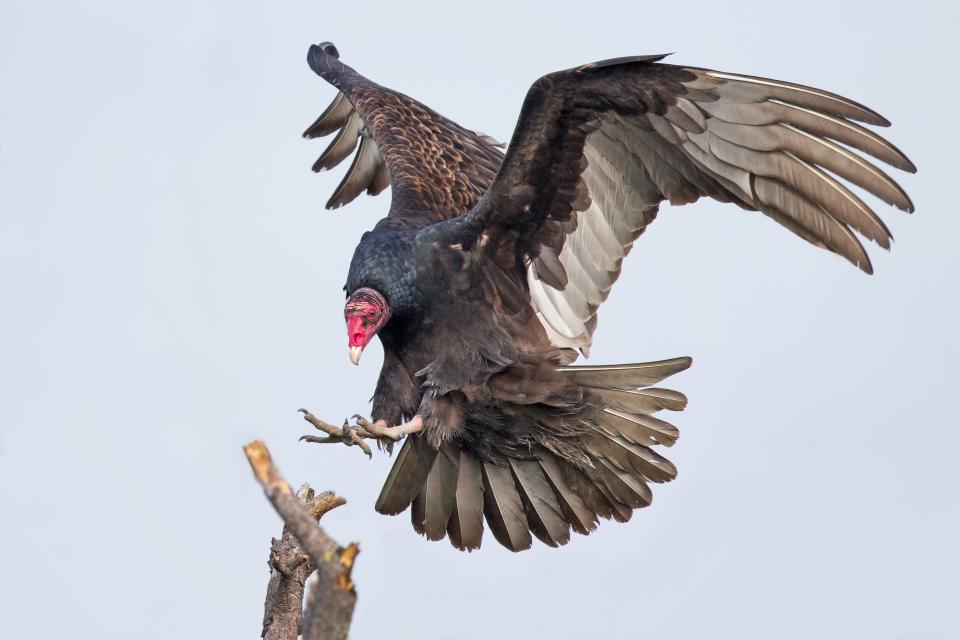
(355, 354)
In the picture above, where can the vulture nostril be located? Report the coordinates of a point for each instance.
(357, 338)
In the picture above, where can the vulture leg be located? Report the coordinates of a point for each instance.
(379, 429)
(385, 435)
(344, 434)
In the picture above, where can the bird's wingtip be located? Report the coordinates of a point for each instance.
(329, 48)
(317, 54)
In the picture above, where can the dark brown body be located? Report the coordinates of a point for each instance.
(493, 266)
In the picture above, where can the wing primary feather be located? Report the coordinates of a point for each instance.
(342, 146)
(382, 178)
(781, 199)
(796, 142)
(813, 122)
(359, 176)
(756, 89)
(332, 118)
(846, 207)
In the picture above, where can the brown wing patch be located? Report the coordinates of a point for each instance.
(435, 168)
(435, 164)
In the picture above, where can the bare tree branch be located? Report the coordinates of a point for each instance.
(331, 598)
(289, 569)
(302, 549)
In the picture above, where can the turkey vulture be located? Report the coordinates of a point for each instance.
(484, 279)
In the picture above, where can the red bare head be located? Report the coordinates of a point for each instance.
(366, 312)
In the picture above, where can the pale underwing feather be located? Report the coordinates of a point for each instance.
(766, 144)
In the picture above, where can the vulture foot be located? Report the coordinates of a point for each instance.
(380, 430)
(385, 435)
(344, 434)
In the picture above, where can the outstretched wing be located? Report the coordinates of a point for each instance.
(435, 168)
(598, 148)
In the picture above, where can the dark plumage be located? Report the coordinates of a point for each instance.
(484, 280)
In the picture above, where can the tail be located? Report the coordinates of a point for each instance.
(604, 473)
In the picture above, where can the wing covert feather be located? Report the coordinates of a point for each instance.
(436, 169)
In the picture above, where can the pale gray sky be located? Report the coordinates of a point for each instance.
(170, 288)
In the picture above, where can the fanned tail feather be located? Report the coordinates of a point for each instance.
(465, 528)
(406, 477)
(540, 504)
(451, 492)
(627, 376)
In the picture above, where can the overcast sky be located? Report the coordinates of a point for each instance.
(170, 288)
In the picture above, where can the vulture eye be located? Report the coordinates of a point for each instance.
(372, 313)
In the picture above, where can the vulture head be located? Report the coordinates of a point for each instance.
(366, 312)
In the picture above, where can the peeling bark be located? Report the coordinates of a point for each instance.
(303, 549)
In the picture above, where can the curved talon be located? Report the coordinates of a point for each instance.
(303, 411)
(345, 434)
(362, 422)
(320, 439)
